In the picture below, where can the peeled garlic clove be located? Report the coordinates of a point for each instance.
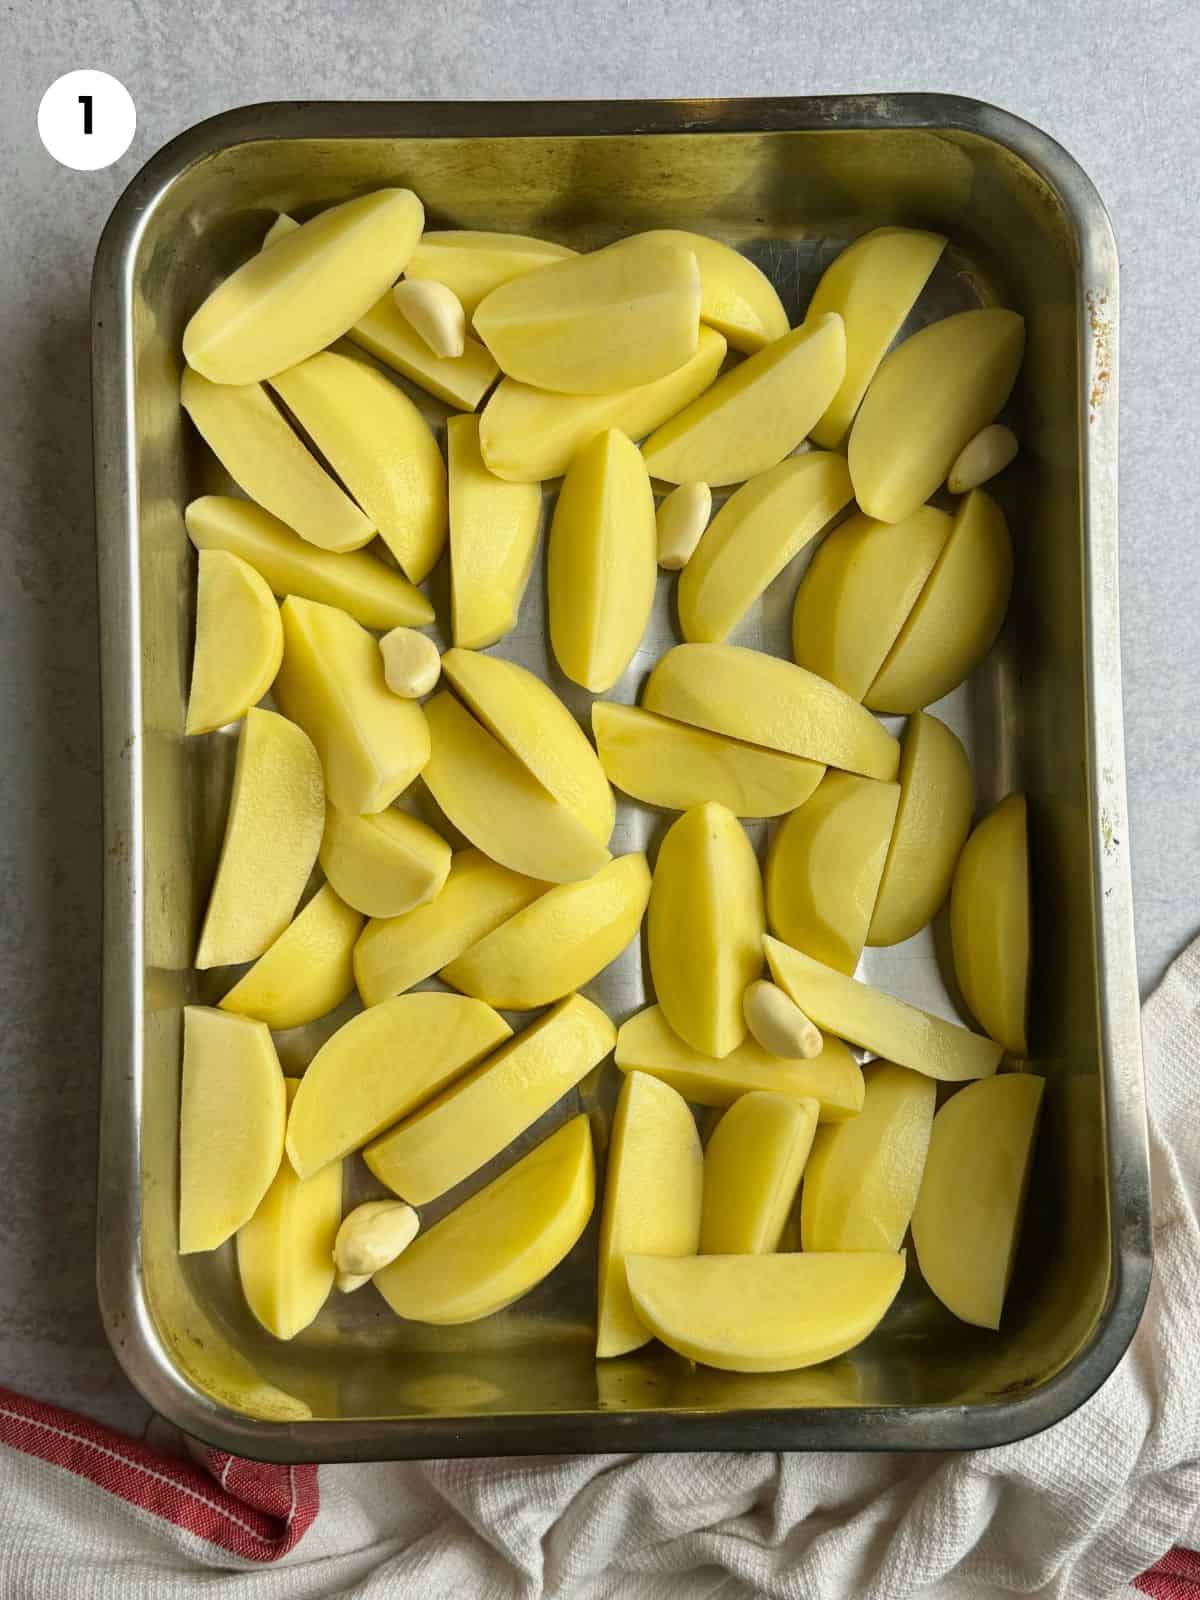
(370, 1238)
(981, 458)
(681, 520)
(435, 313)
(778, 1024)
(411, 663)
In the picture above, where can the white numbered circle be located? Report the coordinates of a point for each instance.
(87, 120)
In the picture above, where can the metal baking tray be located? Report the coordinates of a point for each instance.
(788, 181)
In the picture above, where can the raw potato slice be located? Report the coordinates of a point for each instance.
(501, 1242)
(306, 972)
(272, 832)
(704, 927)
(879, 1022)
(957, 616)
(493, 799)
(755, 414)
(873, 285)
(834, 1079)
(669, 764)
(596, 323)
(929, 397)
(601, 562)
(736, 298)
(559, 942)
(397, 952)
(858, 593)
(862, 1178)
(474, 1119)
(752, 1168)
(379, 1066)
(383, 865)
(764, 1313)
(937, 798)
(652, 1190)
(380, 446)
(533, 724)
(493, 535)
(824, 868)
(762, 700)
(473, 263)
(989, 923)
(372, 744)
(252, 441)
(968, 1215)
(231, 1120)
(529, 434)
(374, 594)
(754, 535)
(239, 641)
(308, 289)
(285, 1251)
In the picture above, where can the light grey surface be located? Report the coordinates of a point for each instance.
(1116, 82)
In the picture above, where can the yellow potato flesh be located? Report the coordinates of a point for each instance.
(472, 262)
(380, 446)
(930, 396)
(474, 1119)
(272, 834)
(601, 562)
(753, 537)
(704, 927)
(306, 972)
(937, 797)
(672, 765)
(652, 1190)
(858, 592)
(957, 616)
(872, 285)
(767, 1313)
(647, 1042)
(312, 285)
(825, 864)
(989, 923)
(968, 1214)
(493, 535)
(383, 865)
(861, 1182)
(239, 641)
(752, 1168)
(597, 323)
(529, 434)
(533, 724)
(496, 802)
(755, 414)
(285, 1251)
(379, 1066)
(231, 1118)
(374, 594)
(736, 298)
(396, 952)
(371, 743)
(762, 700)
(878, 1022)
(501, 1242)
(559, 942)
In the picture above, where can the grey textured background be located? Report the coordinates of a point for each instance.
(1115, 80)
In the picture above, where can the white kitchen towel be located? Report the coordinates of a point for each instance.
(1079, 1512)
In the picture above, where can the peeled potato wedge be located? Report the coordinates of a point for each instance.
(754, 535)
(929, 397)
(272, 833)
(736, 298)
(493, 535)
(501, 1242)
(475, 1118)
(704, 927)
(239, 641)
(652, 1192)
(967, 1219)
(990, 923)
(755, 414)
(472, 263)
(862, 1178)
(753, 1164)
(527, 434)
(308, 289)
(385, 864)
(306, 972)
